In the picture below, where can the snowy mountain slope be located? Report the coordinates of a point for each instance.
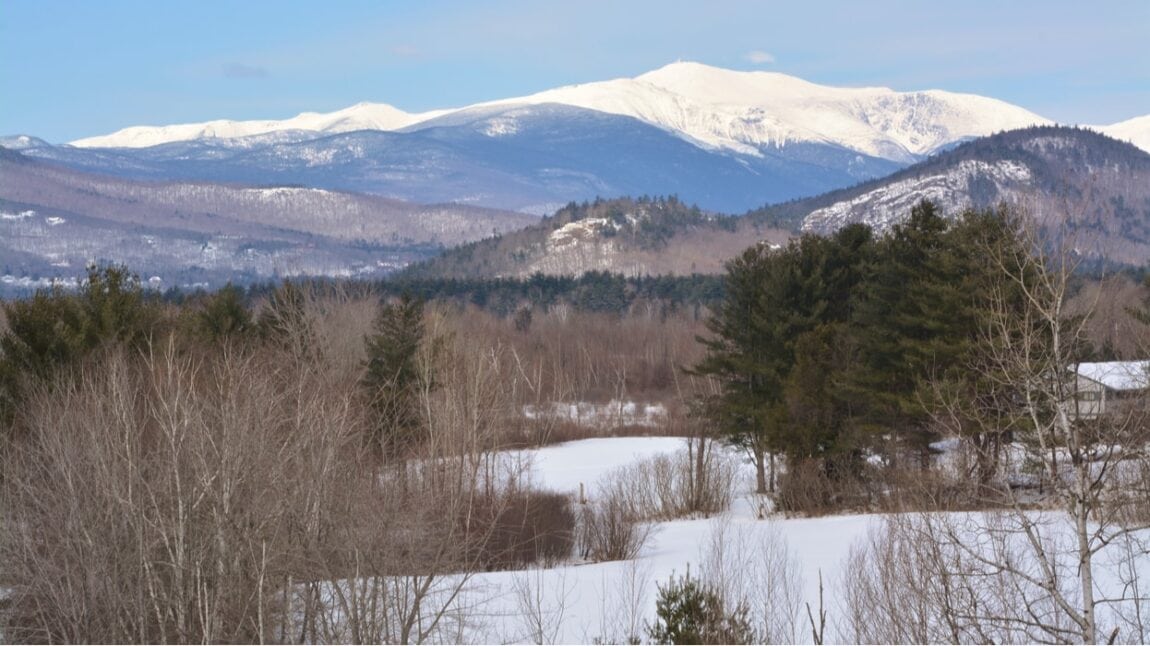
(362, 116)
(532, 158)
(1064, 177)
(54, 220)
(741, 112)
(728, 141)
(1135, 131)
(746, 111)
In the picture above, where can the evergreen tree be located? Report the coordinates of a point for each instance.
(223, 315)
(904, 322)
(56, 328)
(773, 298)
(398, 370)
(690, 612)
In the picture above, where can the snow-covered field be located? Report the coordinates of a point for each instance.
(614, 601)
(608, 602)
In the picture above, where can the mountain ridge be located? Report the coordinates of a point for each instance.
(724, 109)
(54, 220)
(1070, 179)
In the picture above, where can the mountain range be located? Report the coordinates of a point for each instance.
(727, 141)
(1089, 188)
(345, 192)
(54, 220)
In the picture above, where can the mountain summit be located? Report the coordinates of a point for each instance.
(747, 112)
(725, 140)
(714, 108)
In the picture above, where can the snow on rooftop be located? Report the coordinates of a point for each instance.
(1117, 375)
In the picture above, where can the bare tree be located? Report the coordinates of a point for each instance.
(754, 569)
(1060, 561)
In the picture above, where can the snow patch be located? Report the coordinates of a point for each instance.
(615, 413)
(500, 127)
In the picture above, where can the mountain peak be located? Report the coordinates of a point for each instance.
(752, 113)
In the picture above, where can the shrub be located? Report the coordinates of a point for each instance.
(690, 612)
(666, 487)
(609, 531)
(520, 527)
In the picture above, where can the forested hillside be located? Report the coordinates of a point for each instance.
(1094, 185)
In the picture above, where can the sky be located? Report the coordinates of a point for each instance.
(82, 68)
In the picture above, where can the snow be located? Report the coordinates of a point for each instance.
(746, 111)
(714, 108)
(614, 414)
(607, 602)
(1117, 375)
(1135, 131)
(886, 206)
(362, 116)
(588, 602)
(563, 467)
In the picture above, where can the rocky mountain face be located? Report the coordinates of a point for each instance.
(1087, 186)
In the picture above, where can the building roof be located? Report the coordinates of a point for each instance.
(1117, 375)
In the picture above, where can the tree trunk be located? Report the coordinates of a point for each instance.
(760, 458)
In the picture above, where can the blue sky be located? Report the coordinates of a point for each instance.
(81, 68)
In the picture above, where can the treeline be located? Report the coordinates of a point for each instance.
(594, 291)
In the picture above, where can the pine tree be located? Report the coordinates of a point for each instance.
(56, 328)
(773, 298)
(398, 370)
(690, 612)
(223, 315)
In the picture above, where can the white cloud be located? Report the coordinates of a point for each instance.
(759, 57)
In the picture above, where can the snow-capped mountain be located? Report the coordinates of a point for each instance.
(728, 141)
(1135, 131)
(528, 157)
(747, 111)
(362, 116)
(742, 112)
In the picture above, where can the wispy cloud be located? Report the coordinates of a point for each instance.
(759, 57)
(244, 71)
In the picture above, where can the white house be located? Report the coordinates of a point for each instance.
(1103, 386)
